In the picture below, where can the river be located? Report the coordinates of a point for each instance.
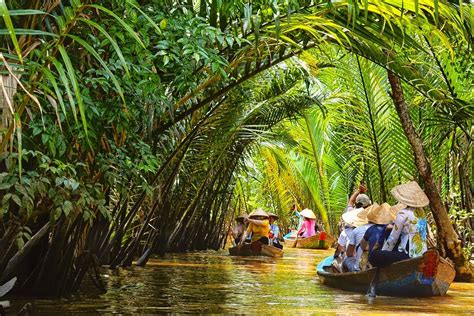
(214, 282)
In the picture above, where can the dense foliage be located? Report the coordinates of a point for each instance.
(132, 127)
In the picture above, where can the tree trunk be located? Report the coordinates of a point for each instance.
(448, 242)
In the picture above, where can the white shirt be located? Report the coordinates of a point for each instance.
(354, 239)
(357, 234)
(343, 239)
(352, 208)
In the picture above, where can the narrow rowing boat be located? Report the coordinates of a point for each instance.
(428, 275)
(256, 248)
(321, 240)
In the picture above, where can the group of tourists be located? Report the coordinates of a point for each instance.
(373, 235)
(258, 226)
(378, 235)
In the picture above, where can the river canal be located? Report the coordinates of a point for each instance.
(214, 282)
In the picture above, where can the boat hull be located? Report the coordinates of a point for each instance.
(256, 248)
(429, 275)
(313, 242)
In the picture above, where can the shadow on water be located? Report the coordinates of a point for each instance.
(214, 282)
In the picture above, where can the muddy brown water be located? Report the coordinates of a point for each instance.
(214, 282)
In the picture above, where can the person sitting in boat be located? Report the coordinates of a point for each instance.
(382, 217)
(259, 226)
(409, 229)
(349, 224)
(343, 242)
(274, 233)
(239, 228)
(309, 219)
(358, 199)
(359, 218)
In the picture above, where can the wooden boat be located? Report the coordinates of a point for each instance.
(256, 248)
(318, 241)
(428, 275)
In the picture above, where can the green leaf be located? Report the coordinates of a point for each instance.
(11, 30)
(20, 243)
(16, 199)
(125, 25)
(75, 85)
(57, 213)
(28, 32)
(65, 82)
(74, 184)
(86, 215)
(92, 51)
(58, 92)
(67, 207)
(146, 16)
(163, 24)
(26, 12)
(5, 186)
(112, 41)
(6, 198)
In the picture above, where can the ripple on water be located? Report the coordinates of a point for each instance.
(213, 282)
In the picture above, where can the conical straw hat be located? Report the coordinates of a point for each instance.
(258, 212)
(270, 214)
(308, 213)
(410, 194)
(380, 214)
(352, 218)
(363, 213)
(397, 208)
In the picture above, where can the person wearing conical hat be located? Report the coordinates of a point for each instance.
(409, 229)
(239, 228)
(274, 233)
(351, 220)
(259, 226)
(381, 216)
(358, 218)
(309, 221)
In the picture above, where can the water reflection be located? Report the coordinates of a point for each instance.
(213, 282)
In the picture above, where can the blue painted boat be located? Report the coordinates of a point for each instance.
(428, 275)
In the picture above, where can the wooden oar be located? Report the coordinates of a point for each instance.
(296, 240)
(371, 291)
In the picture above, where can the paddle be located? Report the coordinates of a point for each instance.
(296, 240)
(371, 291)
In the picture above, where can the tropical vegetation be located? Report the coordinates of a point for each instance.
(132, 128)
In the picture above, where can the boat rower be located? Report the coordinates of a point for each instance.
(308, 227)
(259, 226)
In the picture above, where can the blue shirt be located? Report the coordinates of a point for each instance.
(275, 230)
(375, 236)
